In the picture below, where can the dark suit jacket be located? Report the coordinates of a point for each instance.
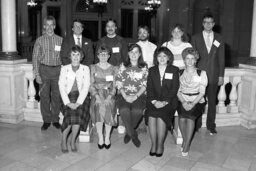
(66, 46)
(165, 92)
(214, 62)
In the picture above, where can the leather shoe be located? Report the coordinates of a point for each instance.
(213, 131)
(45, 126)
(136, 141)
(100, 146)
(127, 138)
(107, 146)
(56, 125)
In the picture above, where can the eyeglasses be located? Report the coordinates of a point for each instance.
(103, 54)
(208, 22)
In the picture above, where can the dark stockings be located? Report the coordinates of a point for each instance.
(187, 127)
(157, 131)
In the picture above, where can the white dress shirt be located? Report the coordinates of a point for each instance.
(76, 39)
(208, 36)
(148, 50)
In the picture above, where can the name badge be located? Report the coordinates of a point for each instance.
(109, 78)
(57, 48)
(168, 76)
(115, 50)
(216, 43)
(138, 75)
(197, 78)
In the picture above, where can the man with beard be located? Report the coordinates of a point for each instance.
(115, 43)
(147, 47)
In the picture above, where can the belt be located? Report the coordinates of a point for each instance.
(50, 65)
(190, 94)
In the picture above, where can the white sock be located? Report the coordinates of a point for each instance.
(107, 137)
(99, 126)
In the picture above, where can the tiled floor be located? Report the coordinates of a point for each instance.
(25, 147)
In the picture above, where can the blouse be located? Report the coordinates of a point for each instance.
(131, 79)
(193, 85)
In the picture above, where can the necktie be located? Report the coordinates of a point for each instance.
(79, 42)
(208, 42)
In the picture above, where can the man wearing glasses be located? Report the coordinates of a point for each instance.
(210, 47)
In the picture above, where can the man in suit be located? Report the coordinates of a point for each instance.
(210, 47)
(77, 39)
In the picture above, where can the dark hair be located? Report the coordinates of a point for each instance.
(75, 49)
(51, 18)
(166, 51)
(184, 37)
(141, 62)
(208, 15)
(77, 20)
(103, 48)
(189, 51)
(144, 27)
(111, 19)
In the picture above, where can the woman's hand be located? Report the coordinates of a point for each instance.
(188, 105)
(130, 99)
(159, 104)
(71, 106)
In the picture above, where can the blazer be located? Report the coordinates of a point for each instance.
(165, 92)
(67, 79)
(214, 62)
(69, 42)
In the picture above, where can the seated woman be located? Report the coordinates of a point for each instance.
(102, 89)
(131, 81)
(193, 83)
(74, 84)
(162, 87)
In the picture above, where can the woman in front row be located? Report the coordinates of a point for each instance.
(193, 83)
(102, 89)
(131, 81)
(74, 82)
(162, 87)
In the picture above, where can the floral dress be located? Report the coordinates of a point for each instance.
(102, 84)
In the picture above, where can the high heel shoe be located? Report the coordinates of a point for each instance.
(73, 149)
(184, 154)
(101, 146)
(159, 155)
(63, 150)
(107, 146)
(152, 153)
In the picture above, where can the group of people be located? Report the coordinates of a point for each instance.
(139, 80)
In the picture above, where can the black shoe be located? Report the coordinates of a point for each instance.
(159, 155)
(107, 146)
(127, 138)
(152, 154)
(56, 125)
(45, 126)
(213, 131)
(136, 141)
(101, 146)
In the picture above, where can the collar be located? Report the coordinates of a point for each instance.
(205, 34)
(77, 36)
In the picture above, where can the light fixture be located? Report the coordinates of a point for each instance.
(153, 5)
(31, 3)
(100, 2)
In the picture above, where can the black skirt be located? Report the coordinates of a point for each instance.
(192, 114)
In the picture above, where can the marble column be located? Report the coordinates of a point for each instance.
(253, 36)
(8, 18)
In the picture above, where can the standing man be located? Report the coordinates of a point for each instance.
(210, 47)
(115, 43)
(77, 39)
(46, 66)
(147, 47)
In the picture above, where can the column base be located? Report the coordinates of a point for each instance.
(9, 56)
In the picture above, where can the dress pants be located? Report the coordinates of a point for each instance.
(211, 94)
(50, 101)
